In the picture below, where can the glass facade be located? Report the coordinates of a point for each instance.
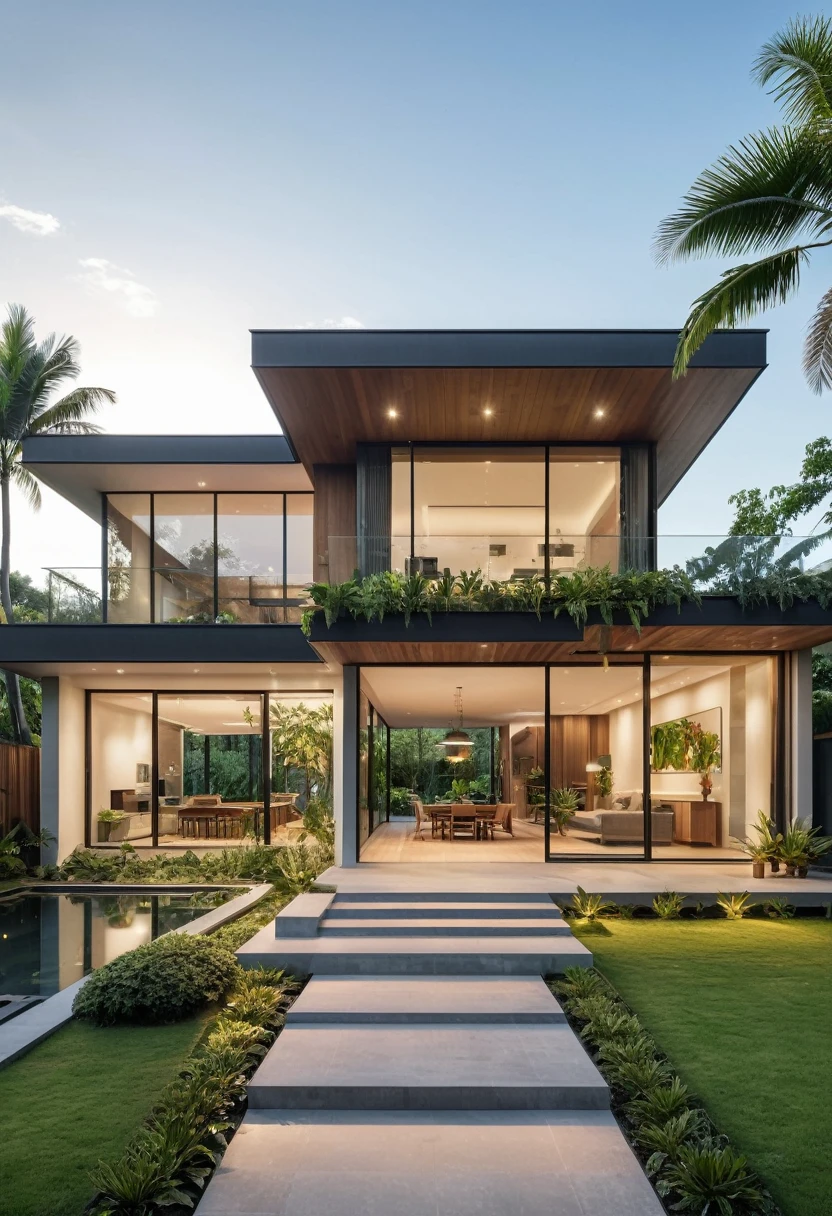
(177, 769)
(497, 508)
(178, 556)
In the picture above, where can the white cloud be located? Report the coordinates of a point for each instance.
(329, 323)
(101, 275)
(36, 223)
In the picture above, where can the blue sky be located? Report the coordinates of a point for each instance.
(212, 168)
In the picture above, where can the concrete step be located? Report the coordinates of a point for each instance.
(423, 999)
(461, 1067)
(390, 1163)
(390, 909)
(454, 926)
(441, 955)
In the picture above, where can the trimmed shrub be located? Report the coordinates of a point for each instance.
(165, 981)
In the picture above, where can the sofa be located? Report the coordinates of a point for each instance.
(623, 823)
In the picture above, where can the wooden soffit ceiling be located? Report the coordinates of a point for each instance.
(333, 390)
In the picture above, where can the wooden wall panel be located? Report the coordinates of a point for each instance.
(334, 526)
(19, 787)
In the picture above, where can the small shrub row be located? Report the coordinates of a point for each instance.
(692, 1166)
(670, 905)
(168, 1164)
(290, 868)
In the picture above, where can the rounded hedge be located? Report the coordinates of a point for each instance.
(165, 981)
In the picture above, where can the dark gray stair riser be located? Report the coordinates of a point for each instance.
(448, 930)
(431, 911)
(429, 1097)
(407, 963)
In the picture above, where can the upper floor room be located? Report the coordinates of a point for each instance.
(514, 452)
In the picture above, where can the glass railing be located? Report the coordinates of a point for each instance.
(714, 563)
(171, 595)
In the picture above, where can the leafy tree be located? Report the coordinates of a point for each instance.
(30, 372)
(29, 603)
(769, 196)
(768, 514)
(417, 762)
(302, 739)
(821, 692)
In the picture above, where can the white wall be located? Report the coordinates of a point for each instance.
(626, 755)
(71, 768)
(120, 739)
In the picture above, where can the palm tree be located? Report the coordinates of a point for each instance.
(30, 372)
(771, 196)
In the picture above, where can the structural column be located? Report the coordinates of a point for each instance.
(346, 771)
(801, 735)
(49, 766)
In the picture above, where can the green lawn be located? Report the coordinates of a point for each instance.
(744, 1011)
(74, 1099)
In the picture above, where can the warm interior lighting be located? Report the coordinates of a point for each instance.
(487, 412)
(119, 671)
(391, 413)
(457, 739)
(599, 413)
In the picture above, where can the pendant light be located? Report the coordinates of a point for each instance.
(457, 740)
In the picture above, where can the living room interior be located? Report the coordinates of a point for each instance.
(711, 731)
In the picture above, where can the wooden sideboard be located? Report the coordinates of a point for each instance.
(696, 822)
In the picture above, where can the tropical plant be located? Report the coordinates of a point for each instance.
(297, 867)
(589, 907)
(563, 806)
(734, 905)
(664, 1141)
(30, 373)
(302, 739)
(605, 781)
(668, 905)
(641, 1076)
(319, 822)
(710, 1180)
(579, 982)
(667, 1102)
(626, 911)
(164, 981)
(770, 195)
(460, 788)
(778, 908)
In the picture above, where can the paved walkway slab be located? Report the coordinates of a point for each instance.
(438, 1067)
(372, 999)
(450, 926)
(428, 906)
(391, 1163)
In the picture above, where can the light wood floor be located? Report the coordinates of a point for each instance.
(395, 842)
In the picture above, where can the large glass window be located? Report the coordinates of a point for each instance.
(299, 550)
(479, 508)
(121, 757)
(128, 558)
(250, 556)
(712, 749)
(183, 555)
(584, 494)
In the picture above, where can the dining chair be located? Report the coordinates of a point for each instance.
(463, 821)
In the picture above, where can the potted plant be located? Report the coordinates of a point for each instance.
(794, 847)
(563, 804)
(765, 848)
(705, 756)
(604, 782)
(106, 819)
(758, 852)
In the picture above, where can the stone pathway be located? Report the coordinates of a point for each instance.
(426, 1069)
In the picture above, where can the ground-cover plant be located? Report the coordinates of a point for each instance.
(734, 905)
(170, 1160)
(588, 907)
(668, 905)
(165, 981)
(779, 909)
(693, 1168)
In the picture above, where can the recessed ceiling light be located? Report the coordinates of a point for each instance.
(599, 413)
(119, 671)
(196, 669)
(391, 413)
(487, 412)
(201, 484)
(483, 645)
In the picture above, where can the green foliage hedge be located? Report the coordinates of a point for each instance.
(165, 981)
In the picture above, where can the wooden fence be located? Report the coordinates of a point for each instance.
(19, 786)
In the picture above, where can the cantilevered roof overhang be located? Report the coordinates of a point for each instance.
(332, 389)
(82, 467)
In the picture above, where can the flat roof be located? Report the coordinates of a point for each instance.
(333, 389)
(82, 467)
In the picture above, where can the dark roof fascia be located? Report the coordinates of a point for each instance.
(158, 449)
(741, 348)
(23, 644)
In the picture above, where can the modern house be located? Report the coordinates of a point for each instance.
(529, 456)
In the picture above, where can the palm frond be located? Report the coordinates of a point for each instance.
(67, 416)
(817, 351)
(740, 294)
(761, 192)
(28, 486)
(799, 59)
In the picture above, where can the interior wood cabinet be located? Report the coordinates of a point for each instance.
(696, 822)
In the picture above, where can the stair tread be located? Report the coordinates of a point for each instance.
(380, 996)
